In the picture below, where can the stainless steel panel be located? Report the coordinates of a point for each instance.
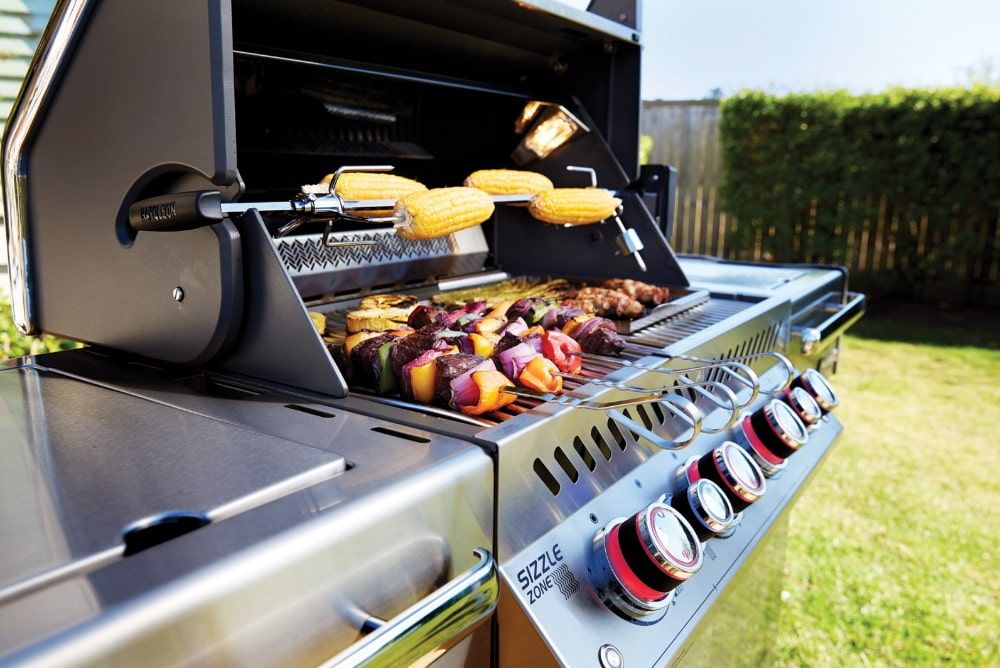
(574, 624)
(80, 463)
(318, 270)
(537, 433)
(45, 67)
(288, 582)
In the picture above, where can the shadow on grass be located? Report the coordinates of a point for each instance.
(911, 322)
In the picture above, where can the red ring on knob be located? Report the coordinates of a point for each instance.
(625, 574)
(758, 445)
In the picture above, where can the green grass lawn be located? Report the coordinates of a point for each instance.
(894, 554)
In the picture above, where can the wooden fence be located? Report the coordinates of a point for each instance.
(686, 135)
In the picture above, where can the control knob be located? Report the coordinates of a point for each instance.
(639, 561)
(816, 384)
(706, 508)
(804, 405)
(734, 471)
(772, 434)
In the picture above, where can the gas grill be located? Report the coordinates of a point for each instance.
(203, 483)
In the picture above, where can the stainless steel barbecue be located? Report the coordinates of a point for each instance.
(205, 484)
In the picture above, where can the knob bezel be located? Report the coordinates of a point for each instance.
(804, 405)
(693, 504)
(678, 567)
(817, 385)
(721, 467)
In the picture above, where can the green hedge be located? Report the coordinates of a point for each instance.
(903, 185)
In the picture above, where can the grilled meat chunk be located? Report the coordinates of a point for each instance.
(450, 367)
(651, 295)
(365, 364)
(602, 341)
(408, 349)
(604, 302)
(422, 316)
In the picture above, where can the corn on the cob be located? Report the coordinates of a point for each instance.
(573, 206)
(508, 182)
(367, 185)
(441, 211)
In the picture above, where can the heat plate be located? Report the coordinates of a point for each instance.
(381, 258)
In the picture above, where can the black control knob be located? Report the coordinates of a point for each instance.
(819, 388)
(804, 405)
(706, 508)
(639, 561)
(731, 468)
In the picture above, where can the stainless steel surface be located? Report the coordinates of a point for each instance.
(744, 280)
(786, 424)
(424, 631)
(804, 406)
(619, 442)
(610, 587)
(684, 300)
(317, 269)
(276, 578)
(819, 388)
(670, 540)
(575, 627)
(840, 313)
(55, 44)
(710, 505)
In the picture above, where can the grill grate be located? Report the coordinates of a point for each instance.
(692, 321)
(661, 334)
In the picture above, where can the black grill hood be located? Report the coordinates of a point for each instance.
(128, 99)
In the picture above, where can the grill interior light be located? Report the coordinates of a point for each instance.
(528, 114)
(550, 125)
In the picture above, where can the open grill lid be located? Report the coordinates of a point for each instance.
(132, 99)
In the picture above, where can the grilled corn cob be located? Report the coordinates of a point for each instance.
(508, 182)
(367, 185)
(441, 211)
(573, 206)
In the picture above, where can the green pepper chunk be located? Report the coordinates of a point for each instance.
(386, 381)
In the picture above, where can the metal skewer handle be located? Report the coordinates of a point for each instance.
(780, 359)
(727, 401)
(739, 372)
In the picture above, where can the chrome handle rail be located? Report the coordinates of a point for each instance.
(430, 625)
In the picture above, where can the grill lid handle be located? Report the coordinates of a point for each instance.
(177, 211)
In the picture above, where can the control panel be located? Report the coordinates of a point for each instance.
(626, 579)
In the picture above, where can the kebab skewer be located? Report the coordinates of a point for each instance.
(471, 368)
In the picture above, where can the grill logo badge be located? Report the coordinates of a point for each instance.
(158, 212)
(547, 572)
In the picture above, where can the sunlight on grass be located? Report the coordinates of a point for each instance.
(894, 551)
